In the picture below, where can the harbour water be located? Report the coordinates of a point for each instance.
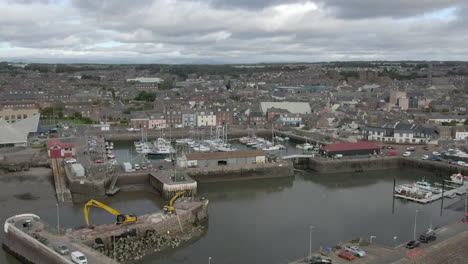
(261, 221)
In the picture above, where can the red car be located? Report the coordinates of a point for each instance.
(99, 161)
(346, 255)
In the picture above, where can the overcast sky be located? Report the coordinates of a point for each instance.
(232, 31)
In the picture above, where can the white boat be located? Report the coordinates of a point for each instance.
(457, 178)
(111, 156)
(450, 195)
(423, 185)
(272, 148)
(305, 146)
(412, 190)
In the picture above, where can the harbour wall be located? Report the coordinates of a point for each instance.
(29, 250)
(242, 172)
(371, 164)
(352, 165)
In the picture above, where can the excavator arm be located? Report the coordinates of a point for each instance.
(170, 207)
(121, 218)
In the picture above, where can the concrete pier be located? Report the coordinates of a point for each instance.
(31, 240)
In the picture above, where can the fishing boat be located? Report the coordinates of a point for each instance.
(423, 185)
(412, 190)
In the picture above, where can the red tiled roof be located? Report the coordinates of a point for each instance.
(350, 146)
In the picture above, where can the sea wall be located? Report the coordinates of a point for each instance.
(28, 250)
(434, 166)
(353, 165)
(242, 172)
(370, 164)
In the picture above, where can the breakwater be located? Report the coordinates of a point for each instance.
(31, 240)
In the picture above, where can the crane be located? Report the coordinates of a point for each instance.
(121, 218)
(170, 207)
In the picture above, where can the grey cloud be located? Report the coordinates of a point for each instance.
(392, 8)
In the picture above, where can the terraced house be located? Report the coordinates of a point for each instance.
(399, 133)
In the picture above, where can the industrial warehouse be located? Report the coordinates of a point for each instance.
(214, 159)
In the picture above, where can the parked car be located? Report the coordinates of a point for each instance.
(435, 153)
(390, 147)
(436, 158)
(319, 260)
(392, 153)
(143, 167)
(407, 154)
(61, 248)
(427, 238)
(461, 163)
(426, 147)
(70, 161)
(425, 157)
(411, 148)
(357, 251)
(338, 156)
(79, 257)
(413, 244)
(346, 255)
(137, 166)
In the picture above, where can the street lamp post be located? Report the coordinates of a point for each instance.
(209, 260)
(415, 219)
(310, 241)
(371, 237)
(394, 241)
(58, 218)
(114, 249)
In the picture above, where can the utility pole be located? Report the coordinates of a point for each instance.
(58, 218)
(310, 241)
(415, 219)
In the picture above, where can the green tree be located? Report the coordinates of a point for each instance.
(146, 96)
(77, 115)
(167, 84)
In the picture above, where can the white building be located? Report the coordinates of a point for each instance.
(460, 132)
(399, 133)
(205, 119)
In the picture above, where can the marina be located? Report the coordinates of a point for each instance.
(423, 192)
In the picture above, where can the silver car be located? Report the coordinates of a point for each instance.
(355, 250)
(62, 249)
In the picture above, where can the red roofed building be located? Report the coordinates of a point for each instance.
(58, 149)
(350, 149)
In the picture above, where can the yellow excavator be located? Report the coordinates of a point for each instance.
(170, 207)
(121, 218)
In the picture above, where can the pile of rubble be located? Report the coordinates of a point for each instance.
(135, 248)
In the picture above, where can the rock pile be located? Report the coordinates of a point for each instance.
(135, 248)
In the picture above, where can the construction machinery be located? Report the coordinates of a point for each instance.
(121, 218)
(170, 207)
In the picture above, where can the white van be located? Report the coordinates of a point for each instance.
(79, 257)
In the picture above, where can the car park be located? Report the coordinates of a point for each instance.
(319, 260)
(346, 255)
(413, 244)
(61, 248)
(407, 154)
(427, 238)
(79, 257)
(425, 157)
(357, 251)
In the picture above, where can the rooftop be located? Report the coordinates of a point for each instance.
(225, 155)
